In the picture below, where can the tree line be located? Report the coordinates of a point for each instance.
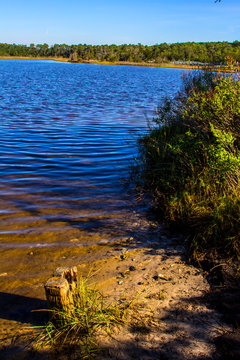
(203, 52)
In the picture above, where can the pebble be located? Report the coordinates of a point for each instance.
(123, 256)
(3, 274)
(103, 242)
(132, 268)
(161, 277)
(74, 240)
(120, 282)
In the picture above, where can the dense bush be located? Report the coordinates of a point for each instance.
(190, 161)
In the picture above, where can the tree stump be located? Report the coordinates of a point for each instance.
(59, 289)
(68, 273)
(57, 292)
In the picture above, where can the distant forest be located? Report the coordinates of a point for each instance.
(203, 52)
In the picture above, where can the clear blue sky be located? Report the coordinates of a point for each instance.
(117, 22)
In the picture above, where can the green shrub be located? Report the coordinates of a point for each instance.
(190, 160)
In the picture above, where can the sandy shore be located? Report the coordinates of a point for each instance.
(170, 319)
(121, 63)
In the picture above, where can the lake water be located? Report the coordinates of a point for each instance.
(67, 136)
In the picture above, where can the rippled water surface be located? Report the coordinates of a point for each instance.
(67, 136)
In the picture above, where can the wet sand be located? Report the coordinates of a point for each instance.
(170, 320)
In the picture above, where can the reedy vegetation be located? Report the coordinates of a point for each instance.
(190, 161)
(81, 323)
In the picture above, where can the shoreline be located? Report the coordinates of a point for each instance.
(158, 277)
(120, 63)
(150, 267)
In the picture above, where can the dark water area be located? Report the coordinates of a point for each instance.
(67, 136)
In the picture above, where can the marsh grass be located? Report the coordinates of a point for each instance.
(91, 315)
(190, 162)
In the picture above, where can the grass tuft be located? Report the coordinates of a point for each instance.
(90, 316)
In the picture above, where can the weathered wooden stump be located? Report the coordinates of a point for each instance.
(57, 292)
(68, 273)
(59, 289)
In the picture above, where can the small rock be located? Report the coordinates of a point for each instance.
(3, 274)
(103, 242)
(132, 268)
(160, 277)
(124, 254)
(120, 282)
(74, 240)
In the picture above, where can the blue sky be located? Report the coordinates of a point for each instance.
(117, 22)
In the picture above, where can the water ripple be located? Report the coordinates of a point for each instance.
(67, 137)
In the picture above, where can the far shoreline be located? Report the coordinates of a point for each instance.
(121, 63)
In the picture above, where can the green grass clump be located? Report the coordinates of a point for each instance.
(80, 324)
(190, 161)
